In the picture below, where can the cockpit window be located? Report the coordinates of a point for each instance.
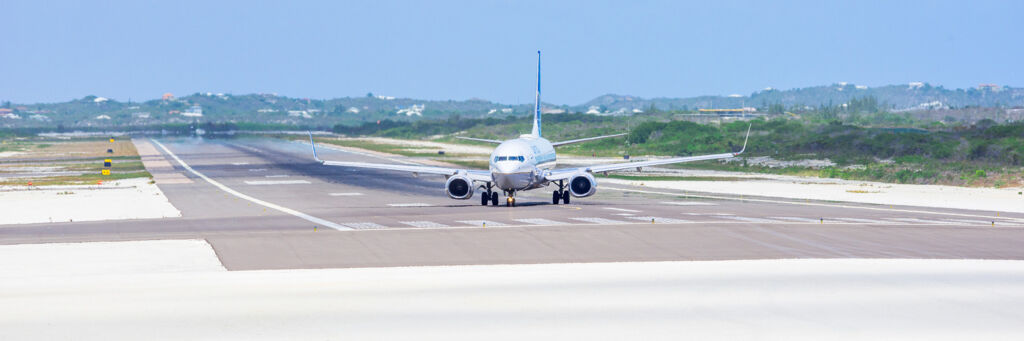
(519, 158)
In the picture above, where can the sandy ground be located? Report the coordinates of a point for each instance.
(121, 199)
(811, 299)
(790, 187)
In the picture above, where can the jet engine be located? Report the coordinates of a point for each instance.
(459, 187)
(582, 185)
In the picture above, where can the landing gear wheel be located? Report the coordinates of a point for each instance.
(494, 198)
(484, 198)
(565, 197)
(508, 202)
(555, 197)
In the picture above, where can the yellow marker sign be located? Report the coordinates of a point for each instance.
(106, 172)
(111, 140)
(106, 163)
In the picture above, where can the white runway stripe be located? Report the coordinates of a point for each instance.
(540, 221)
(750, 219)
(277, 176)
(660, 220)
(364, 226)
(246, 197)
(423, 223)
(481, 222)
(239, 163)
(411, 204)
(920, 221)
(277, 182)
(620, 209)
(345, 194)
(972, 222)
(599, 220)
(687, 203)
(258, 170)
(859, 220)
(798, 219)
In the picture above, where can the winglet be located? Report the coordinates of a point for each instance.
(744, 141)
(313, 144)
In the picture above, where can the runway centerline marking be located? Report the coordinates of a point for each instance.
(798, 219)
(423, 223)
(598, 220)
(660, 220)
(277, 176)
(481, 222)
(227, 189)
(540, 221)
(345, 194)
(620, 209)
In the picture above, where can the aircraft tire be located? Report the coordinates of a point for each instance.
(494, 198)
(555, 197)
(565, 197)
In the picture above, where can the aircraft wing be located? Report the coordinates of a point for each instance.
(478, 140)
(562, 143)
(562, 174)
(475, 175)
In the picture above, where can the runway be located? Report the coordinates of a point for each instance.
(264, 204)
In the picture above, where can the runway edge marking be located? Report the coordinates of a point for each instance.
(246, 197)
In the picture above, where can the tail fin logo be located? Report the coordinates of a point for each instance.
(536, 113)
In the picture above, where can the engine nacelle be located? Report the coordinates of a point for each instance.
(459, 187)
(582, 185)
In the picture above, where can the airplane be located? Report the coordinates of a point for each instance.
(524, 163)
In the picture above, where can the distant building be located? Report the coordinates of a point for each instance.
(861, 87)
(100, 99)
(915, 85)
(414, 110)
(168, 96)
(194, 111)
(989, 87)
(103, 117)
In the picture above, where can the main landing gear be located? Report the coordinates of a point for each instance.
(561, 193)
(489, 196)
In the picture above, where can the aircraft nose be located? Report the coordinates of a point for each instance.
(506, 168)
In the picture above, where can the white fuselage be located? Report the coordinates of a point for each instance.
(521, 163)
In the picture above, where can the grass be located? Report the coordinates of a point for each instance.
(85, 156)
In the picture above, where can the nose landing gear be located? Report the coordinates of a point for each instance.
(510, 198)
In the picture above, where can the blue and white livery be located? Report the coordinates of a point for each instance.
(525, 163)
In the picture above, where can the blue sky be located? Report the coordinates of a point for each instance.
(55, 50)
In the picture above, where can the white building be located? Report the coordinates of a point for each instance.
(416, 110)
(194, 111)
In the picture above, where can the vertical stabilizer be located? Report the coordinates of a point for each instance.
(536, 107)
